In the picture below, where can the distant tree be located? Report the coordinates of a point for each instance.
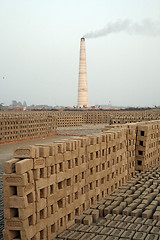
(14, 103)
(24, 104)
(19, 104)
(1, 106)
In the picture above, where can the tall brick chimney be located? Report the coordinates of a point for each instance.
(82, 83)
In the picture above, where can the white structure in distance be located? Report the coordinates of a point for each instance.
(82, 82)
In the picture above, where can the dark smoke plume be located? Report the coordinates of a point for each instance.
(146, 27)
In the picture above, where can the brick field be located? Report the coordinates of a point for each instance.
(47, 187)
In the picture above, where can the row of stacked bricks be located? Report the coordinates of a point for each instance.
(121, 117)
(23, 125)
(130, 132)
(147, 145)
(131, 212)
(69, 118)
(28, 125)
(46, 186)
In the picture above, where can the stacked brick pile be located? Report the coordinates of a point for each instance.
(121, 117)
(131, 132)
(95, 117)
(69, 118)
(47, 186)
(147, 145)
(19, 126)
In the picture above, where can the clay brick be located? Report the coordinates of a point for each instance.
(43, 150)
(88, 212)
(128, 234)
(106, 231)
(123, 225)
(101, 210)
(85, 228)
(134, 226)
(49, 161)
(128, 200)
(145, 228)
(113, 224)
(65, 234)
(99, 237)
(24, 166)
(39, 163)
(10, 165)
(107, 210)
(26, 152)
(95, 215)
(150, 222)
(41, 204)
(21, 202)
(75, 227)
(136, 213)
(117, 210)
(75, 236)
(139, 236)
(152, 236)
(126, 211)
(155, 230)
(16, 224)
(15, 180)
(131, 219)
(95, 229)
(23, 191)
(87, 220)
(110, 217)
(156, 215)
(147, 214)
(117, 232)
(120, 218)
(79, 219)
(87, 236)
(112, 238)
(30, 176)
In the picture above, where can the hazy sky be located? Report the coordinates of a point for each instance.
(39, 52)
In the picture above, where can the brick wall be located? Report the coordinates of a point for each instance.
(16, 126)
(147, 145)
